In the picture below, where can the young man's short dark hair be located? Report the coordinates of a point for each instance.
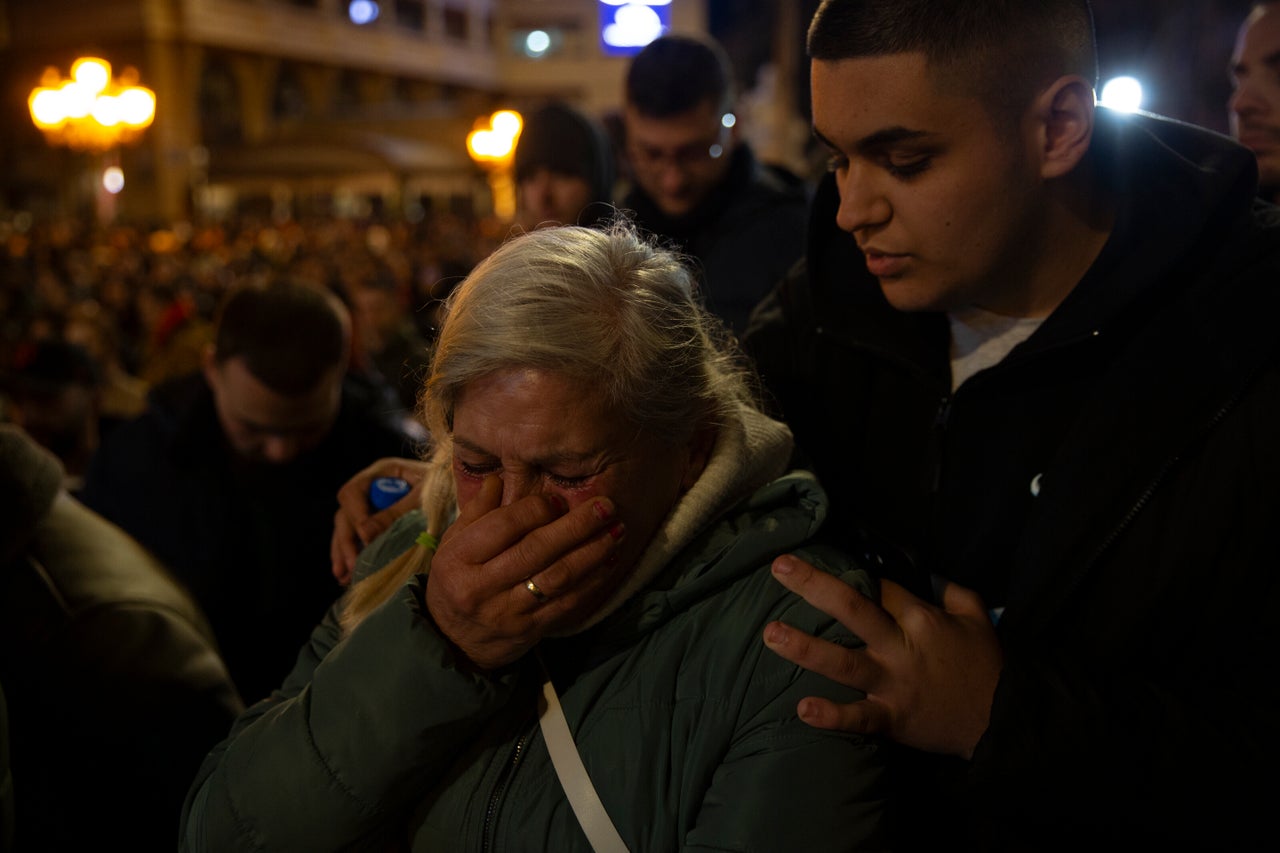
(675, 73)
(1004, 50)
(290, 335)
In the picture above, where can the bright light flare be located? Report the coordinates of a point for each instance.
(496, 142)
(113, 179)
(634, 25)
(362, 12)
(92, 73)
(536, 43)
(106, 110)
(91, 110)
(137, 106)
(1122, 94)
(46, 108)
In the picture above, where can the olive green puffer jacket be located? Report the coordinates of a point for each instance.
(685, 722)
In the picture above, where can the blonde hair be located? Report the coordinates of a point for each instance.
(607, 308)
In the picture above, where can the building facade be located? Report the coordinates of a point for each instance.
(334, 104)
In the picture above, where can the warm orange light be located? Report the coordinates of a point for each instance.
(90, 110)
(492, 145)
(495, 142)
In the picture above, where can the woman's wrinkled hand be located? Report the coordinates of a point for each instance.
(478, 591)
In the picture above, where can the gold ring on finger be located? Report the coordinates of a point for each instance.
(535, 591)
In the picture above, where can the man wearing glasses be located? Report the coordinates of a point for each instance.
(695, 182)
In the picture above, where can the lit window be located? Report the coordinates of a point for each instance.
(626, 26)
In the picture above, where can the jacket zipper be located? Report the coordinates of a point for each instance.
(504, 780)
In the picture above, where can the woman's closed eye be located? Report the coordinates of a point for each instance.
(480, 470)
(476, 470)
(569, 482)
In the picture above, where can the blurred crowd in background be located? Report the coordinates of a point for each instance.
(91, 318)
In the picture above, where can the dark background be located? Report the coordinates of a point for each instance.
(1179, 49)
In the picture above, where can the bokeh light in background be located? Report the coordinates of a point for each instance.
(626, 27)
(362, 11)
(113, 179)
(498, 140)
(537, 43)
(492, 146)
(1123, 94)
(90, 111)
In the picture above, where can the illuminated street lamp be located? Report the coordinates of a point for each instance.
(492, 146)
(91, 111)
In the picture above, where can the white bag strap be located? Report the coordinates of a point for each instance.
(582, 795)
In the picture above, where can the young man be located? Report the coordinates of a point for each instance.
(229, 475)
(696, 183)
(1032, 357)
(1255, 104)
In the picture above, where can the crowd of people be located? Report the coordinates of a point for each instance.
(922, 506)
(140, 302)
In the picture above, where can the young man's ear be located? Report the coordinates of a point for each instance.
(1063, 115)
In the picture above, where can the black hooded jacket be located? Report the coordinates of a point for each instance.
(743, 238)
(1110, 484)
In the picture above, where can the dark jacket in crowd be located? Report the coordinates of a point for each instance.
(743, 238)
(250, 540)
(1111, 484)
(113, 685)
